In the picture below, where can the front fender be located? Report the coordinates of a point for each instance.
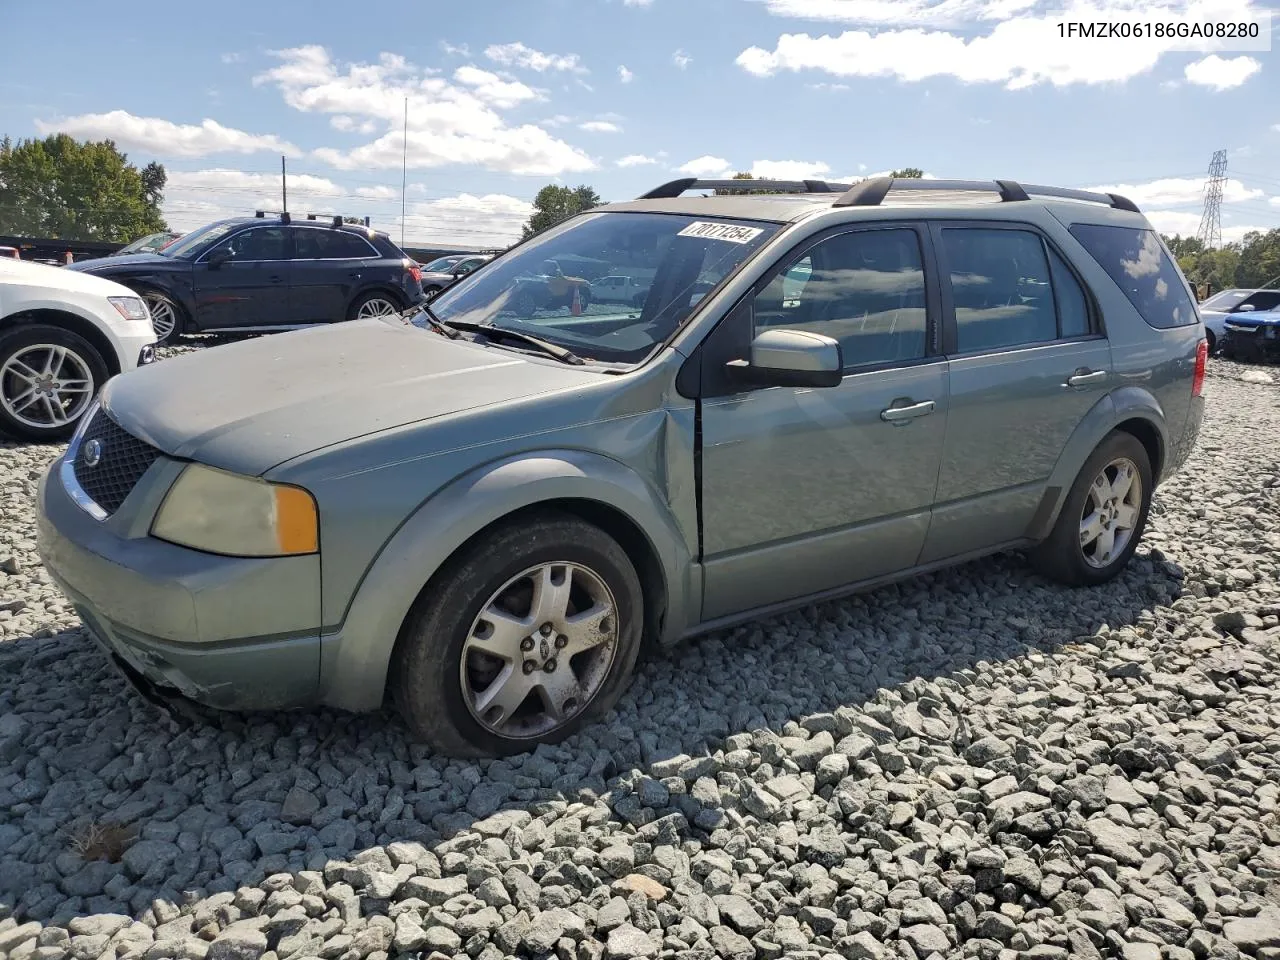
(354, 662)
(1125, 403)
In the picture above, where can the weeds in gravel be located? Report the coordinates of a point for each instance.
(102, 841)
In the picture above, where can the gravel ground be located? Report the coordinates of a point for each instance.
(971, 764)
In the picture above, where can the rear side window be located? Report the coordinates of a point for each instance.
(1000, 288)
(330, 245)
(1138, 264)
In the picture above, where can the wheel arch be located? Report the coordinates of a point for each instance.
(1132, 410)
(355, 661)
(73, 322)
(380, 287)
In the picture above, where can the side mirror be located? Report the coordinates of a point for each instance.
(791, 358)
(1246, 308)
(218, 258)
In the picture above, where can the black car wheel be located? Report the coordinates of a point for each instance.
(374, 304)
(167, 317)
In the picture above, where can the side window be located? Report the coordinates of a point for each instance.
(314, 244)
(260, 243)
(865, 289)
(1000, 288)
(1073, 308)
(1263, 300)
(1137, 262)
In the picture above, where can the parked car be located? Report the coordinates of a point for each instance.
(148, 244)
(620, 289)
(258, 274)
(1223, 305)
(1252, 336)
(62, 336)
(479, 514)
(438, 275)
(11, 252)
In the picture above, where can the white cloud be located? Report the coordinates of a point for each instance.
(1178, 191)
(195, 197)
(1213, 71)
(707, 166)
(493, 220)
(789, 170)
(636, 160)
(829, 87)
(636, 3)
(231, 57)
(625, 75)
(490, 87)
(518, 55)
(351, 125)
(1171, 222)
(165, 138)
(449, 122)
(381, 192)
(600, 126)
(1021, 46)
(681, 59)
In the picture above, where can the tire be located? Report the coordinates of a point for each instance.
(442, 698)
(432, 292)
(1062, 556)
(1213, 340)
(38, 348)
(168, 319)
(375, 303)
(638, 300)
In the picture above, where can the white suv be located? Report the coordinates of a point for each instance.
(63, 334)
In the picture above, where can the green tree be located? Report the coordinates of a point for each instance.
(555, 203)
(59, 187)
(908, 173)
(1259, 258)
(743, 175)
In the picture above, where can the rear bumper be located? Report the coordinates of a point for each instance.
(227, 632)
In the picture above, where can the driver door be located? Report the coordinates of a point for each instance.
(251, 287)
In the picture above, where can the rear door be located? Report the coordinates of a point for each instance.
(330, 265)
(1027, 359)
(251, 289)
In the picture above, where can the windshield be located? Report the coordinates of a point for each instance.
(545, 288)
(194, 242)
(1224, 300)
(440, 266)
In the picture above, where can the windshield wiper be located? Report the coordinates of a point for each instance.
(498, 333)
(437, 324)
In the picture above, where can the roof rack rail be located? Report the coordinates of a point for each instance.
(675, 188)
(286, 217)
(871, 192)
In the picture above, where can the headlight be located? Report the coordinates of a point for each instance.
(131, 308)
(220, 512)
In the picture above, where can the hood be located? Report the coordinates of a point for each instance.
(249, 406)
(128, 261)
(1255, 318)
(48, 277)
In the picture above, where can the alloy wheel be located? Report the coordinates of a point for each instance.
(1111, 510)
(45, 385)
(163, 320)
(540, 649)
(376, 307)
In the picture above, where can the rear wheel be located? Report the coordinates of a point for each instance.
(370, 305)
(525, 637)
(48, 378)
(1103, 517)
(1213, 340)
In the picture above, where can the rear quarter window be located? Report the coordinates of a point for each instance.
(1136, 260)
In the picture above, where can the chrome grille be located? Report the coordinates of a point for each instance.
(122, 459)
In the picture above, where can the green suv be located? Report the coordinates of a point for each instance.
(482, 510)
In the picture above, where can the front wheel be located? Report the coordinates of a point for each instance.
(524, 637)
(1213, 340)
(48, 378)
(166, 316)
(1103, 517)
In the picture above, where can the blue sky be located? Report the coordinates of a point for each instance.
(509, 95)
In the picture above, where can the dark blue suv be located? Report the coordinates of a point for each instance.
(265, 273)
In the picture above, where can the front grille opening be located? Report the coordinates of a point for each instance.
(122, 459)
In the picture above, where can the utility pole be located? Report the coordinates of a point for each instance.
(1210, 233)
(404, 169)
(284, 188)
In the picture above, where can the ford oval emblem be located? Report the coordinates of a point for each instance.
(93, 453)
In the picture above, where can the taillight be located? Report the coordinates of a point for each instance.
(414, 270)
(1202, 358)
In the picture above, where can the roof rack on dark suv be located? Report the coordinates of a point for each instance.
(872, 191)
(286, 217)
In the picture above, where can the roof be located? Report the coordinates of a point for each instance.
(778, 208)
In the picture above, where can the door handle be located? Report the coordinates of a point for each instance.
(901, 414)
(277, 279)
(1085, 377)
(354, 275)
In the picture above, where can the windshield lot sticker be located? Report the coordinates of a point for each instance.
(721, 231)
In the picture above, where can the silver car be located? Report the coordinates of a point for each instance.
(483, 511)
